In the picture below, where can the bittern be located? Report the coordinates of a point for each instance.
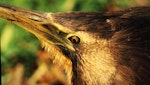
(93, 48)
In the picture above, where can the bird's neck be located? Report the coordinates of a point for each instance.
(95, 67)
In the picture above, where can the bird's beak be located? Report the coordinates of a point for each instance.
(38, 23)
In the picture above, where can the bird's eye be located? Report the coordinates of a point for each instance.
(74, 39)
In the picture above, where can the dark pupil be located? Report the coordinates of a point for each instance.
(74, 39)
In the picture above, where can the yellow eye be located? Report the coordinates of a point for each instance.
(74, 39)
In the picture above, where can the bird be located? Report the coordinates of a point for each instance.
(93, 48)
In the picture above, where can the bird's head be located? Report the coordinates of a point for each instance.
(87, 45)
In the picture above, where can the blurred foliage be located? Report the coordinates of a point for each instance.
(20, 46)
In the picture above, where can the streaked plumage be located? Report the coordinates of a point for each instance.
(111, 48)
